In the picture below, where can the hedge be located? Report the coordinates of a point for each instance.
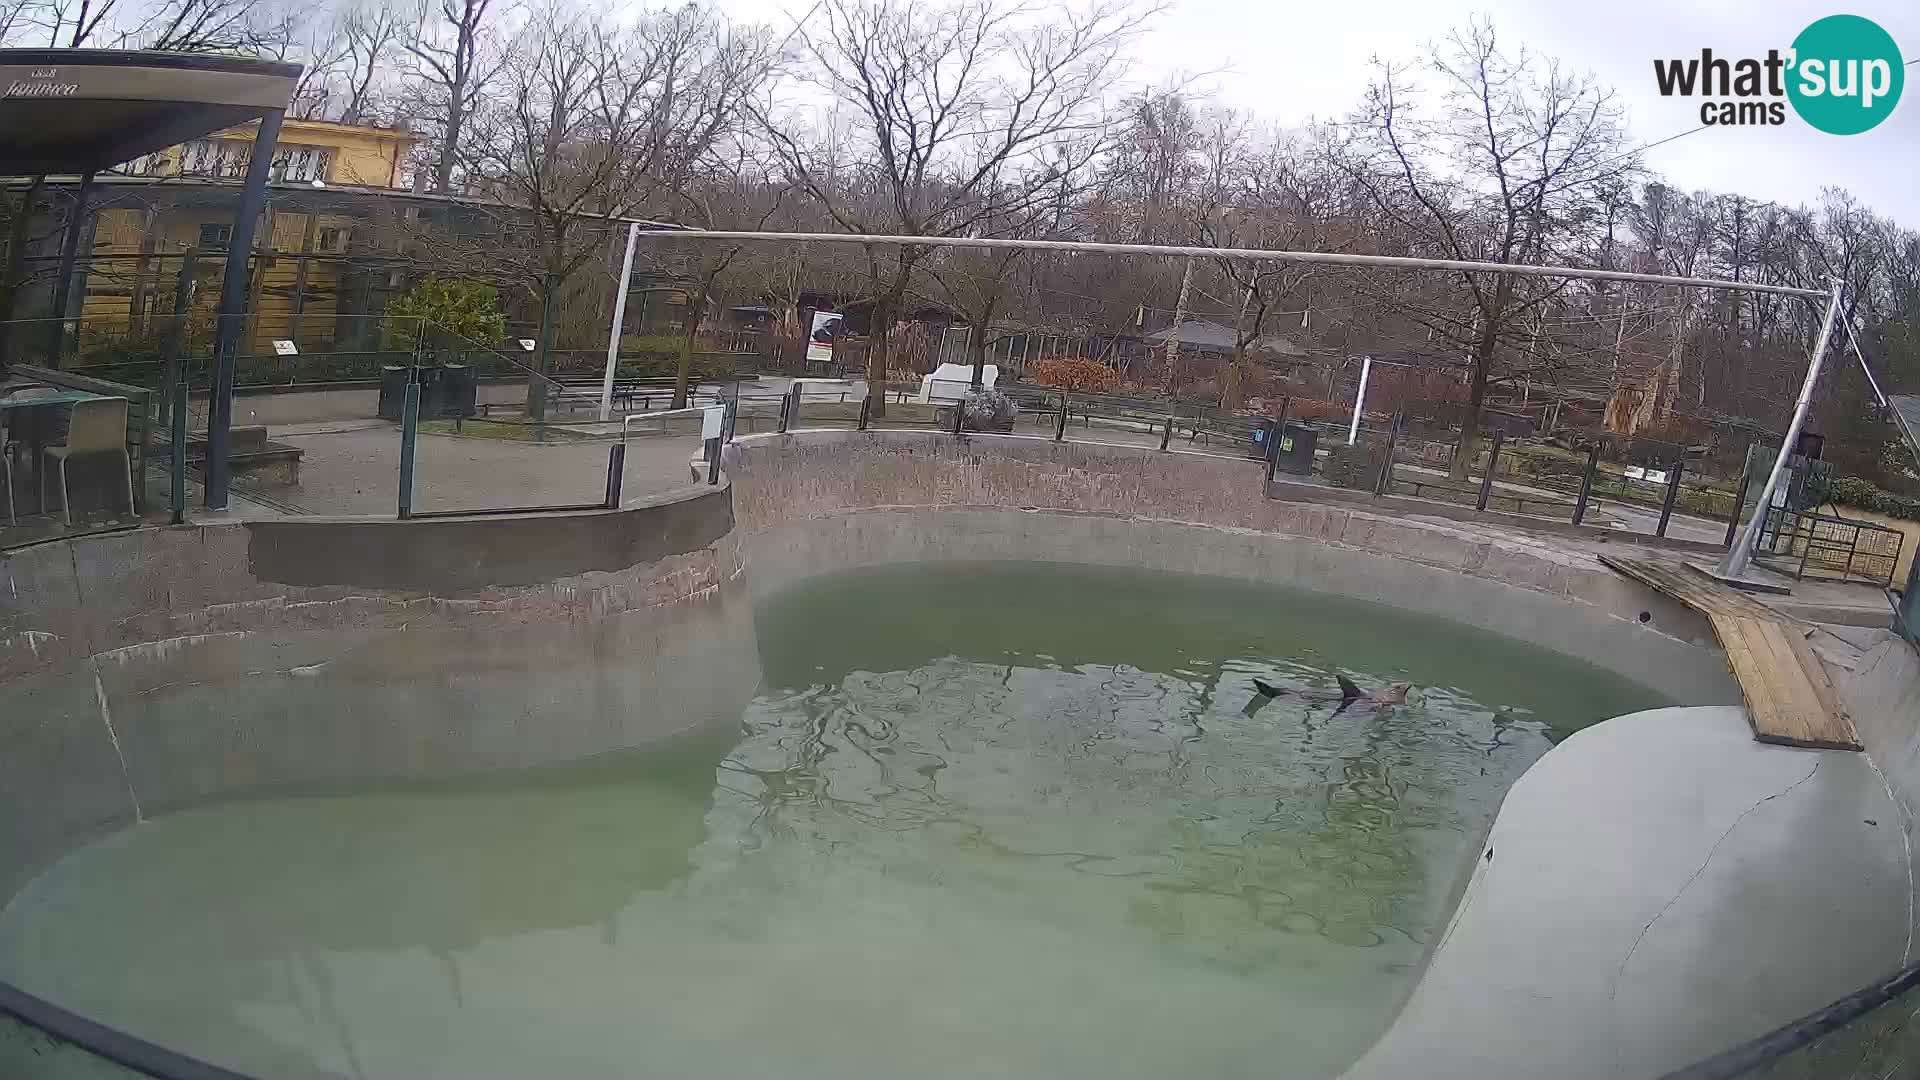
(1853, 491)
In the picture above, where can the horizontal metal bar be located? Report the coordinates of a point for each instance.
(102, 1042)
(1391, 262)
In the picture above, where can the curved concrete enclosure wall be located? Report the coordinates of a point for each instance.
(153, 669)
(150, 670)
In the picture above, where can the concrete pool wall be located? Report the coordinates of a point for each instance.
(154, 669)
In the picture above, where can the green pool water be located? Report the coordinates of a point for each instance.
(1004, 820)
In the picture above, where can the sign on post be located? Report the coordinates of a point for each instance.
(826, 327)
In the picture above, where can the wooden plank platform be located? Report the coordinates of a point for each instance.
(1790, 699)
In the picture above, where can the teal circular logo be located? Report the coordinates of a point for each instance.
(1846, 75)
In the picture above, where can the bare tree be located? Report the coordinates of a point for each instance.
(453, 58)
(594, 122)
(1507, 167)
(372, 33)
(947, 118)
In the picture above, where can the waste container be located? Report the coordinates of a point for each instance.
(456, 386)
(393, 392)
(1297, 443)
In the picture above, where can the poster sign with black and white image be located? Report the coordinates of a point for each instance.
(826, 327)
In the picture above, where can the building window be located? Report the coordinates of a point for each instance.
(302, 164)
(215, 237)
(333, 240)
(227, 159)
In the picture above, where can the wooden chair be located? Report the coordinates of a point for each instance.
(95, 427)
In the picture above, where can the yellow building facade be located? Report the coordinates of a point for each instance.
(143, 225)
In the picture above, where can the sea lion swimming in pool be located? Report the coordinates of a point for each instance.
(1347, 696)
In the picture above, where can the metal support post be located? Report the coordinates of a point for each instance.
(230, 322)
(1384, 484)
(177, 435)
(409, 435)
(1273, 455)
(619, 323)
(1673, 491)
(616, 473)
(1060, 429)
(1493, 459)
(69, 255)
(866, 412)
(1166, 433)
(1741, 553)
(1360, 399)
(1586, 484)
(960, 416)
(1739, 500)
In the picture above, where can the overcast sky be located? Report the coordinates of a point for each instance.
(1294, 61)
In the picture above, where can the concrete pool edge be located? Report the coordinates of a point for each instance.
(95, 632)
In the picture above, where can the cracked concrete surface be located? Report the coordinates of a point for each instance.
(1661, 887)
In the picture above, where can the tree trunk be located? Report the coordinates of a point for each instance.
(1233, 381)
(977, 347)
(443, 168)
(543, 359)
(683, 371)
(1490, 324)
(880, 345)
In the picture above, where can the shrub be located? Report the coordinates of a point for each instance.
(1074, 374)
(1856, 492)
(451, 310)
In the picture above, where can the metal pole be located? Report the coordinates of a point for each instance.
(409, 435)
(1253, 254)
(1493, 459)
(230, 321)
(1741, 553)
(616, 472)
(866, 412)
(1586, 484)
(1360, 399)
(619, 323)
(69, 254)
(1673, 490)
(1739, 500)
(1385, 483)
(713, 461)
(1273, 454)
(960, 416)
(178, 435)
(1166, 433)
(1060, 430)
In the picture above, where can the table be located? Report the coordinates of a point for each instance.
(63, 399)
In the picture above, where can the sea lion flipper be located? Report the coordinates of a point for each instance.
(1348, 691)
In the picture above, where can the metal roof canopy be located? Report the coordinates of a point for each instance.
(86, 110)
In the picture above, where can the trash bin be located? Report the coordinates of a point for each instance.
(457, 386)
(1297, 443)
(393, 392)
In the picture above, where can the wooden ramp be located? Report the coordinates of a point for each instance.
(1789, 697)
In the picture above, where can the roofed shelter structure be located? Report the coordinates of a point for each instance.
(82, 111)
